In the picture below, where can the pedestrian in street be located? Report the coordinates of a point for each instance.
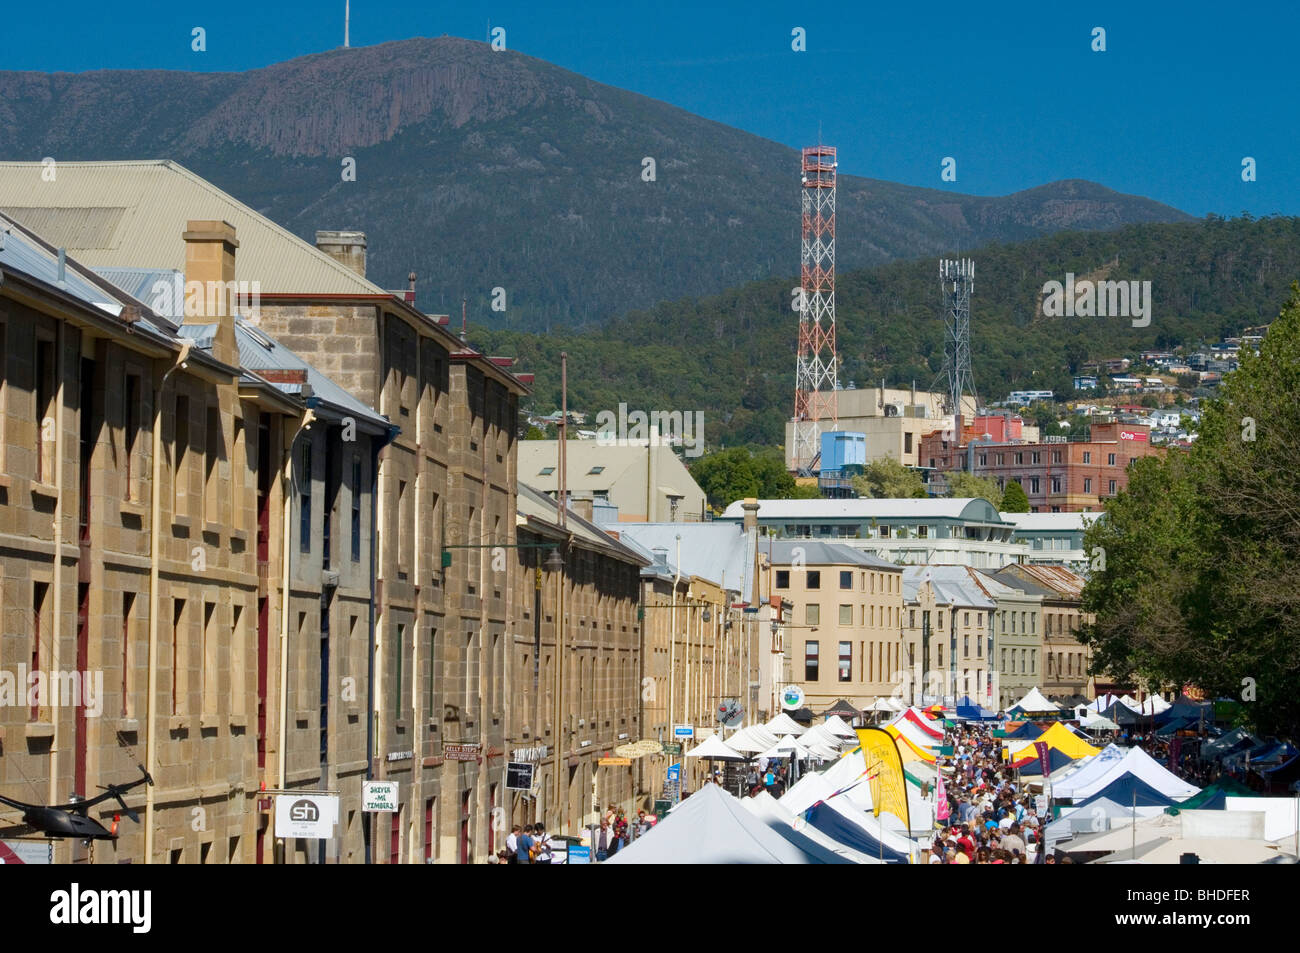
(524, 847)
(512, 844)
(604, 839)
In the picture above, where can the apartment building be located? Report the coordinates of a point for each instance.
(1063, 675)
(587, 654)
(445, 482)
(846, 629)
(1058, 477)
(947, 635)
(161, 469)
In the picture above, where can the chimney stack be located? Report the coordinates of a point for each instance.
(210, 283)
(750, 506)
(346, 247)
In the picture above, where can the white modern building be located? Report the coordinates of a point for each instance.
(937, 531)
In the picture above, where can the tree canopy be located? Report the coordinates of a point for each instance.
(888, 478)
(1201, 553)
(1014, 499)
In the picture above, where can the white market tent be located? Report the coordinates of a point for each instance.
(1034, 701)
(752, 740)
(850, 769)
(769, 810)
(783, 725)
(711, 827)
(838, 727)
(1085, 783)
(787, 747)
(715, 749)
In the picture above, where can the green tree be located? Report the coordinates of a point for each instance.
(1202, 551)
(726, 476)
(1014, 499)
(534, 433)
(963, 485)
(887, 478)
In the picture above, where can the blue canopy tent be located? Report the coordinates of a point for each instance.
(835, 825)
(970, 711)
(1184, 707)
(1056, 759)
(1027, 731)
(1124, 789)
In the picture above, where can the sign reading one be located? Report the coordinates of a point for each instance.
(792, 698)
(310, 816)
(379, 796)
(519, 775)
(1132, 435)
(683, 731)
(462, 752)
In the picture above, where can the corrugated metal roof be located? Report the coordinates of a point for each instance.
(20, 252)
(864, 509)
(258, 351)
(530, 502)
(133, 214)
(712, 551)
(953, 586)
(816, 553)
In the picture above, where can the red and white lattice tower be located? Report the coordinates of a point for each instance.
(816, 367)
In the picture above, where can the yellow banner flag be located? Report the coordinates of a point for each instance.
(885, 773)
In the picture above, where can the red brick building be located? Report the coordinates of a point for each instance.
(1064, 477)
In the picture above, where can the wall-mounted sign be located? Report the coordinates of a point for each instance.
(400, 755)
(792, 698)
(731, 713)
(674, 772)
(379, 796)
(683, 731)
(462, 752)
(672, 749)
(529, 754)
(615, 762)
(519, 775)
(1132, 435)
(306, 815)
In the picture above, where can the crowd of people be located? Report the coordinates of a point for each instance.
(530, 844)
(991, 819)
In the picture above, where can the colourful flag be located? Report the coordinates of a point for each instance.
(885, 768)
(941, 800)
(1043, 757)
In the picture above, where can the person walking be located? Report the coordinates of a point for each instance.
(603, 840)
(524, 847)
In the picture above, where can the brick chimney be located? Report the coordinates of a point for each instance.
(347, 248)
(210, 260)
(750, 506)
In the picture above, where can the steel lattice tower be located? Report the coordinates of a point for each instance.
(816, 368)
(957, 279)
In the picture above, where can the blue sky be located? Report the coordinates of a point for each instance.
(1183, 92)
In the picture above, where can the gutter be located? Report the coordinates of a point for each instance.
(155, 539)
(376, 447)
(287, 504)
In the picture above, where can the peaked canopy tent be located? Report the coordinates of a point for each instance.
(1239, 739)
(971, 711)
(807, 838)
(1031, 765)
(1128, 790)
(1034, 703)
(1025, 731)
(783, 725)
(839, 728)
(860, 831)
(1126, 717)
(929, 727)
(1215, 796)
(1135, 762)
(908, 749)
(1066, 741)
(1099, 816)
(847, 781)
(714, 748)
(1184, 707)
(712, 827)
(752, 740)
(787, 747)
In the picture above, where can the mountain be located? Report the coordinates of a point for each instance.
(732, 355)
(480, 169)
